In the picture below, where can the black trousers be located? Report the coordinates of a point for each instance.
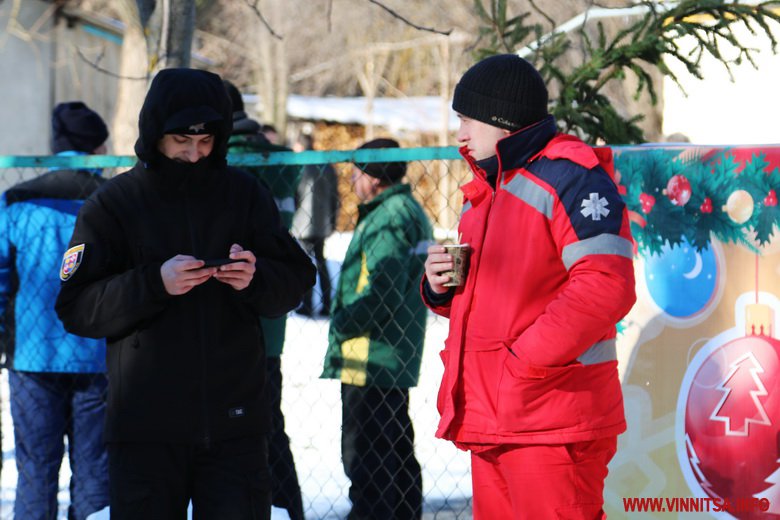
(228, 480)
(377, 447)
(316, 247)
(285, 489)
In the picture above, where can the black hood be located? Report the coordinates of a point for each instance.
(179, 98)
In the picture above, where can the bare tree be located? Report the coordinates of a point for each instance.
(169, 26)
(328, 46)
(132, 81)
(157, 35)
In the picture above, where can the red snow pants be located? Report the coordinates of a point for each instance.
(541, 482)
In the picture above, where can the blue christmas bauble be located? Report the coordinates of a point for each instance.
(682, 281)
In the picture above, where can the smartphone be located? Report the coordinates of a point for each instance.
(216, 262)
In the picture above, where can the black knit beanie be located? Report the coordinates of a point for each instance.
(75, 127)
(504, 91)
(388, 172)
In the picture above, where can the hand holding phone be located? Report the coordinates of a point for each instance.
(238, 276)
(216, 262)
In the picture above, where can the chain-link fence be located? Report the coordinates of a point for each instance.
(311, 405)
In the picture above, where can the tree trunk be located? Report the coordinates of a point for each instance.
(273, 70)
(178, 30)
(169, 26)
(132, 83)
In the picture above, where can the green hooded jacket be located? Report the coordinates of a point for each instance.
(378, 318)
(282, 181)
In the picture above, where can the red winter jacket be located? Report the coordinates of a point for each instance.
(530, 357)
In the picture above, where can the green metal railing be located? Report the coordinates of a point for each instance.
(249, 159)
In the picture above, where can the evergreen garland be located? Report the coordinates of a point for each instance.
(659, 217)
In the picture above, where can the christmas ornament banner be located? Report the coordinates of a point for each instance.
(699, 353)
(680, 193)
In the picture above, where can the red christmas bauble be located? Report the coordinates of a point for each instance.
(647, 201)
(732, 423)
(771, 199)
(678, 189)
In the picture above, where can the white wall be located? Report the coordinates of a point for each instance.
(718, 111)
(25, 79)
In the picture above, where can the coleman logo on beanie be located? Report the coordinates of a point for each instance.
(504, 91)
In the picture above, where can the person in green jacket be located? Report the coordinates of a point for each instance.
(376, 339)
(247, 137)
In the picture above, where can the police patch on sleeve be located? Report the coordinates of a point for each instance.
(71, 261)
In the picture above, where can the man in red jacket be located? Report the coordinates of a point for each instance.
(530, 382)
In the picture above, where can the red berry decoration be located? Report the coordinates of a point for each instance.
(771, 199)
(706, 206)
(678, 190)
(647, 201)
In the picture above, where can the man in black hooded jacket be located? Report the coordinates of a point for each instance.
(187, 412)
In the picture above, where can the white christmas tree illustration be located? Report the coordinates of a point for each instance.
(733, 409)
(772, 493)
(693, 458)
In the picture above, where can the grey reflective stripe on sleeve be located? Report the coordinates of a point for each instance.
(599, 353)
(466, 207)
(286, 204)
(604, 244)
(532, 194)
(421, 248)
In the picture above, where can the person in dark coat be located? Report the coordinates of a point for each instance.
(173, 262)
(316, 210)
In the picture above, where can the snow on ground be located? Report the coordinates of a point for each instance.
(312, 409)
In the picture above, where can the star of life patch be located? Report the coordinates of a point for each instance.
(595, 207)
(71, 261)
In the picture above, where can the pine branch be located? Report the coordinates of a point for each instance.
(642, 46)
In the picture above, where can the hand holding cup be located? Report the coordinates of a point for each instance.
(457, 274)
(445, 266)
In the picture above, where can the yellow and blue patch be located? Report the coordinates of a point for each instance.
(71, 261)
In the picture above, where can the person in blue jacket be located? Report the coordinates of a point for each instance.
(57, 380)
